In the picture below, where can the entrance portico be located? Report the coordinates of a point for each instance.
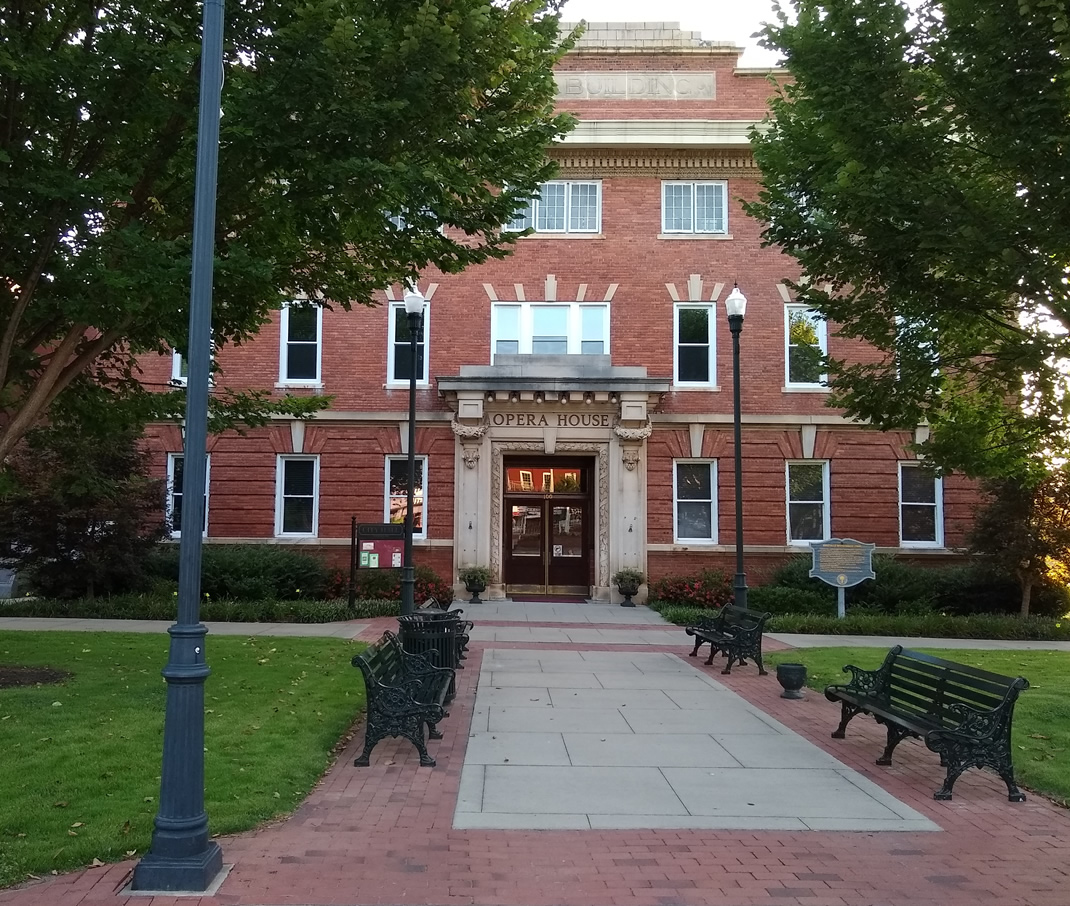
(550, 483)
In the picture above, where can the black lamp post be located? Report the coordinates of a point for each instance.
(181, 856)
(414, 310)
(736, 305)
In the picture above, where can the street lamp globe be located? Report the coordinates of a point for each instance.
(736, 303)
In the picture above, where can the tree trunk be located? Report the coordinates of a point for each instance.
(1027, 593)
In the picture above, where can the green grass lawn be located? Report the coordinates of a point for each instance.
(80, 769)
(1041, 728)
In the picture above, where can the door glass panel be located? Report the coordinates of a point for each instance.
(527, 531)
(567, 538)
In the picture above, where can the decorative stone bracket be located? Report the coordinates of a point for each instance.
(468, 432)
(634, 434)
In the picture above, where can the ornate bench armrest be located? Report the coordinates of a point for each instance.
(861, 682)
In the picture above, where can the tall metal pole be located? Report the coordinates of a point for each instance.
(181, 856)
(735, 324)
(408, 604)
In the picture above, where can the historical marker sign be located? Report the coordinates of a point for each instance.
(842, 562)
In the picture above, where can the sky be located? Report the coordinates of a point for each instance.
(717, 20)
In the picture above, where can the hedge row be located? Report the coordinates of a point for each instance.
(151, 607)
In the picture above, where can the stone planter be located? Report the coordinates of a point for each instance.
(792, 677)
(474, 589)
(628, 589)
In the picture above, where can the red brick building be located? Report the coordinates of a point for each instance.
(575, 400)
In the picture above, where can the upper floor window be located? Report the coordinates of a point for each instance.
(399, 352)
(808, 506)
(921, 507)
(805, 342)
(563, 206)
(549, 328)
(397, 493)
(695, 501)
(176, 492)
(694, 207)
(696, 357)
(179, 368)
(297, 480)
(300, 345)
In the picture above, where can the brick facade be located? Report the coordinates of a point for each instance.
(630, 145)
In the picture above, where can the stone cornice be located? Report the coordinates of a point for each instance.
(662, 133)
(668, 163)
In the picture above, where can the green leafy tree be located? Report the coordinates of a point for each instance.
(83, 511)
(917, 168)
(352, 130)
(1024, 529)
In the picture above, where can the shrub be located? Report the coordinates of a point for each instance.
(250, 572)
(385, 584)
(709, 590)
(981, 626)
(776, 599)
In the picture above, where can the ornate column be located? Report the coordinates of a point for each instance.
(471, 531)
(628, 545)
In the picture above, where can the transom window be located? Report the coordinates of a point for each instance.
(562, 206)
(921, 505)
(805, 342)
(297, 495)
(400, 347)
(300, 353)
(176, 492)
(694, 207)
(397, 493)
(695, 345)
(808, 494)
(549, 328)
(695, 501)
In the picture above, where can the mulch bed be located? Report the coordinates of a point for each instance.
(11, 675)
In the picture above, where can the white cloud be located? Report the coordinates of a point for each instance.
(717, 20)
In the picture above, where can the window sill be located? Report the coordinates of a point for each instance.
(807, 543)
(689, 543)
(805, 388)
(404, 385)
(695, 388)
(305, 385)
(694, 236)
(281, 537)
(922, 546)
(562, 236)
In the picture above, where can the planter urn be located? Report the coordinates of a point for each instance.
(628, 589)
(474, 589)
(792, 678)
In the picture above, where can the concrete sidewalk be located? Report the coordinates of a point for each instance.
(588, 762)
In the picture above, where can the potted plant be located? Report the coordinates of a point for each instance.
(475, 579)
(628, 579)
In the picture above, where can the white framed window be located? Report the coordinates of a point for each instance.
(179, 369)
(549, 328)
(297, 485)
(397, 493)
(694, 496)
(805, 333)
(694, 344)
(694, 207)
(808, 501)
(921, 506)
(301, 341)
(399, 349)
(176, 493)
(562, 206)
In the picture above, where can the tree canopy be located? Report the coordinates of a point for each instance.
(338, 115)
(917, 166)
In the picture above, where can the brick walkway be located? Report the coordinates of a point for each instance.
(383, 835)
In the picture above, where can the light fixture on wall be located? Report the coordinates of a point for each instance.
(514, 397)
(588, 398)
(539, 397)
(614, 399)
(490, 396)
(563, 397)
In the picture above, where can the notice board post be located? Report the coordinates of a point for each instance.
(842, 562)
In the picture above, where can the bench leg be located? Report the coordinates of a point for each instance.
(944, 793)
(371, 739)
(761, 665)
(731, 660)
(713, 651)
(698, 644)
(895, 736)
(846, 713)
(433, 732)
